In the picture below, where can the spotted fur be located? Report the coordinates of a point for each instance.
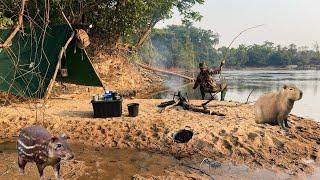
(35, 144)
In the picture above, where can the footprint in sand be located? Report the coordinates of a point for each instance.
(215, 139)
(252, 136)
(222, 132)
(234, 140)
(262, 134)
(277, 143)
(234, 130)
(226, 144)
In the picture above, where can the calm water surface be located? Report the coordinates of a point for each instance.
(241, 84)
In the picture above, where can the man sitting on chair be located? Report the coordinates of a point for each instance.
(208, 84)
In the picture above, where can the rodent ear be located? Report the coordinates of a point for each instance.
(285, 86)
(64, 136)
(54, 138)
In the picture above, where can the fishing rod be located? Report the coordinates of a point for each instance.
(233, 40)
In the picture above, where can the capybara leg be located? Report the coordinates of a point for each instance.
(57, 174)
(22, 164)
(281, 123)
(286, 123)
(257, 115)
(40, 170)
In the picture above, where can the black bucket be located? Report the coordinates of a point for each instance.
(133, 109)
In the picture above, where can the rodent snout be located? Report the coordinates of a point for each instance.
(71, 157)
(68, 157)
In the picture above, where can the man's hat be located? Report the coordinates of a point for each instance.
(202, 65)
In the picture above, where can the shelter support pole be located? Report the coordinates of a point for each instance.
(62, 51)
(53, 80)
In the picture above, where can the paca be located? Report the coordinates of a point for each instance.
(35, 144)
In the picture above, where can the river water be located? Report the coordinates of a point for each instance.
(241, 83)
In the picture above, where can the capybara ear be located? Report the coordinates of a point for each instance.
(285, 86)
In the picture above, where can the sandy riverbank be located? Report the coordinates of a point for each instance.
(233, 138)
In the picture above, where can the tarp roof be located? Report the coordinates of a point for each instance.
(29, 64)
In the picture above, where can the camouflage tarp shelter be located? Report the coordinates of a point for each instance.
(34, 60)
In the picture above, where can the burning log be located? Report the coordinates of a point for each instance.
(179, 100)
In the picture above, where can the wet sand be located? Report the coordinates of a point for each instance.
(234, 138)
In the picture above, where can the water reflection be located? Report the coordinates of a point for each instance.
(241, 83)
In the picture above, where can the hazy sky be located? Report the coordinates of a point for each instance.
(286, 21)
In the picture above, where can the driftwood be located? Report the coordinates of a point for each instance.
(7, 42)
(179, 100)
(164, 71)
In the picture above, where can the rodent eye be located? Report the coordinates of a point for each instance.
(59, 145)
(291, 89)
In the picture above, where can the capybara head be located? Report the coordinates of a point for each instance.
(292, 92)
(59, 148)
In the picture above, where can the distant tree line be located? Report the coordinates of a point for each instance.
(186, 46)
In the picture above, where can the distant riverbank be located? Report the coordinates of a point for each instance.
(273, 68)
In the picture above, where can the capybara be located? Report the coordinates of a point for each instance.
(274, 108)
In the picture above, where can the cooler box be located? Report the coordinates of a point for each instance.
(103, 109)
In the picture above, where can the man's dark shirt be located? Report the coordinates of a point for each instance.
(206, 80)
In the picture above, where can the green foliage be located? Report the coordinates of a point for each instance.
(4, 21)
(186, 46)
(116, 20)
(181, 46)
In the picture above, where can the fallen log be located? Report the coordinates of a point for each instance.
(164, 71)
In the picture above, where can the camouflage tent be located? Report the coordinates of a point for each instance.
(35, 58)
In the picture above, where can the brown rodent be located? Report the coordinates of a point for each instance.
(274, 108)
(35, 144)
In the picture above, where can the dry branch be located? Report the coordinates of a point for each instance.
(249, 96)
(179, 100)
(7, 42)
(169, 107)
(165, 72)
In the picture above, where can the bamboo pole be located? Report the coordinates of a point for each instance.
(164, 71)
(62, 51)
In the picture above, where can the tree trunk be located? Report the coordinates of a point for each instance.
(143, 37)
(146, 33)
(6, 43)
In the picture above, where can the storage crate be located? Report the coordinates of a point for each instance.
(103, 109)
